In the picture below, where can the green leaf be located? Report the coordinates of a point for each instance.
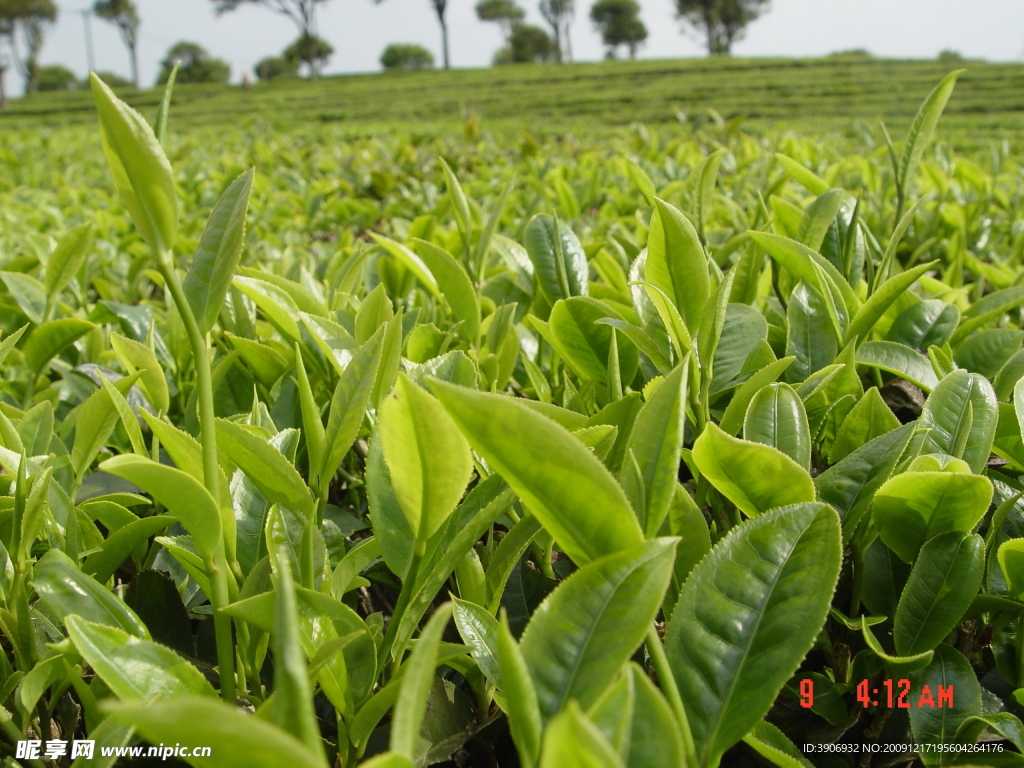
(915, 506)
(656, 442)
(10, 340)
(220, 247)
(812, 339)
(926, 323)
(479, 630)
(585, 343)
(416, 683)
(1005, 724)
(506, 557)
(961, 415)
(410, 261)
(746, 616)
(809, 266)
(945, 579)
(923, 127)
(29, 294)
(66, 591)
(560, 265)
(131, 667)
(184, 496)
(870, 418)
(293, 698)
(773, 745)
(654, 741)
(573, 741)
(139, 166)
(265, 466)
(559, 479)
(460, 206)
(97, 417)
(50, 339)
(138, 357)
(939, 726)
(351, 398)
(236, 740)
(895, 666)
(900, 360)
(1011, 564)
(676, 263)
(67, 258)
(164, 110)
(883, 298)
(703, 195)
(752, 476)
(802, 175)
(732, 419)
(776, 417)
(428, 457)
(992, 306)
(818, 217)
(446, 548)
(119, 545)
(454, 284)
(521, 703)
(274, 302)
(584, 632)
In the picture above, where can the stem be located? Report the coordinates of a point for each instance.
(217, 570)
(408, 586)
(204, 381)
(668, 686)
(216, 565)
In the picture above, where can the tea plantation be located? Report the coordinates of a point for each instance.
(617, 416)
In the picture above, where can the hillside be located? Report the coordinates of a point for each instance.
(810, 94)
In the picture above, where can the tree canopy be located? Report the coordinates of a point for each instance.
(526, 45)
(301, 12)
(721, 22)
(310, 50)
(620, 24)
(504, 12)
(407, 56)
(197, 66)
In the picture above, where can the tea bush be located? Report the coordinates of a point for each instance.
(687, 448)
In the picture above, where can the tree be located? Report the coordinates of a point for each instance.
(56, 78)
(5, 26)
(506, 13)
(407, 56)
(619, 23)
(274, 67)
(314, 53)
(721, 22)
(558, 14)
(25, 19)
(196, 65)
(526, 45)
(125, 15)
(301, 12)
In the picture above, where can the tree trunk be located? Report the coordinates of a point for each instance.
(444, 39)
(134, 50)
(568, 43)
(558, 41)
(3, 88)
(310, 31)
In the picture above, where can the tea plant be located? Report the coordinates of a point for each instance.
(679, 456)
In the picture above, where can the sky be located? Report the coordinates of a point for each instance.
(359, 30)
